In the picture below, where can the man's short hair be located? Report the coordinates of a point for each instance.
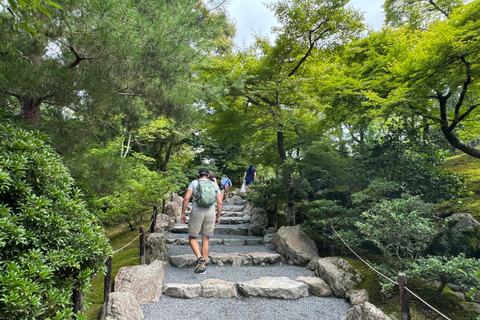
(203, 172)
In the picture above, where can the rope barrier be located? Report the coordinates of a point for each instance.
(384, 276)
(118, 250)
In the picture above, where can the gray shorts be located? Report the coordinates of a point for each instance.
(201, 221)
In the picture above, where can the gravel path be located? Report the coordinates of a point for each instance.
(234, 274)
(242, 308)
(246, 309)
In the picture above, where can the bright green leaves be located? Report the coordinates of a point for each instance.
(400, 228)
(49, 242)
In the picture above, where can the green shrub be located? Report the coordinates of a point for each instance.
(401, 228)
(49, 243)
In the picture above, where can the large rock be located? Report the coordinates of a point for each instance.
(156, 247)
(338, 273)
(258, 222)
(178, 200)
(316, 286)
(164, 223)
(123, 306)
(182, 290)
(462, 222)
(143, 281)
(215, 288)
(171, 209)
(366, 311)
(461, 235)
(357, 297)
(294, 244)
(274, 287)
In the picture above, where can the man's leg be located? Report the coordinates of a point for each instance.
(194, 245)
(205, 247)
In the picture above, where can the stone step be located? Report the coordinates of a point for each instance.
(226, 207)
(234, 259)
(243, 241)
(231, 219)
(234, 229)
(265, 287)
(174, 250)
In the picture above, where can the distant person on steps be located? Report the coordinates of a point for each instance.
(250, 175)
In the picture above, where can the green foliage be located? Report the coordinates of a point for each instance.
(316, 219)
(143, 190)
(50, 244)
(267, 194)
(457, 269)
(401, 228)
(404, 157)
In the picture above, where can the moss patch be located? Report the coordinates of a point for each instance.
(468, 168)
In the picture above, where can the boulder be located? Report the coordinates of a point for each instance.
(461, 235)
(294, 244)
(179, 201)
(462, 222)
(357, 297)
(258, 222)
(172, 210)
(268, 238)
(215, 288)
(471, 306)
(316, 286)
(156, 247)
(164, 223)
(143, 281)
(182, 290)
(338, 273)
(274, 287)
(123, 306)
(366, 311)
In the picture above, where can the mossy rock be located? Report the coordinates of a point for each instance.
(450, 243)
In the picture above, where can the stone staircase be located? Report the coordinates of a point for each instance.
(246, 279)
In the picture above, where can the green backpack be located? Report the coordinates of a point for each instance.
(206, 193)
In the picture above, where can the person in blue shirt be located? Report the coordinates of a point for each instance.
(250, 175)
(226, 183)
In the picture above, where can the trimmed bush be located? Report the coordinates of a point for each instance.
(49, 243)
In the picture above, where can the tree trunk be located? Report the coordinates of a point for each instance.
(163, 168)
(460, 145)
(287, 181)
(30, 111)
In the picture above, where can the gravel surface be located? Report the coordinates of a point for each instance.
(234, 274)
(246, 308)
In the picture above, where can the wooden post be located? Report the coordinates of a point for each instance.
(331, 233)
(142, 245)
(107, 287)
(275, 217)
(154, 219)
(402, 283)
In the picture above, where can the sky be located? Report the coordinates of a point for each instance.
(251, 17)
